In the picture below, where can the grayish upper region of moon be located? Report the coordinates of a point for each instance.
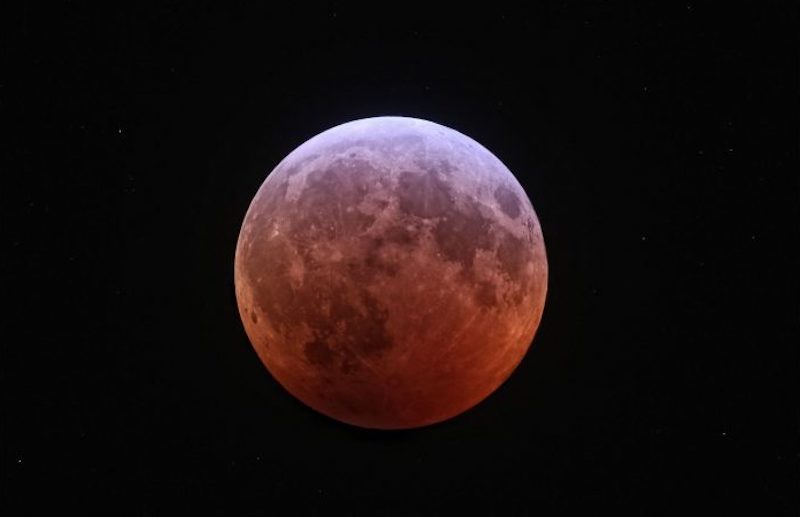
(391, 272)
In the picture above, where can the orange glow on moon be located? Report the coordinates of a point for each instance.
(390, 273)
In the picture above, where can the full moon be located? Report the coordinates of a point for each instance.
(390, 273)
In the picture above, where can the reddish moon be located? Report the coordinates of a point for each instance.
(390, 273)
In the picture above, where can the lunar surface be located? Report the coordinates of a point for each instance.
(390, 273)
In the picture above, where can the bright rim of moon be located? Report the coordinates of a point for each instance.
(390, 273)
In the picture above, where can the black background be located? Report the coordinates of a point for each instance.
(656, 140)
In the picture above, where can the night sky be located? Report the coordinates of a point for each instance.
(657, 142)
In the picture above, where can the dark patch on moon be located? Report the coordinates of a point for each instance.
(508, 201)
(462, 233)
(382, 251)
(317, 352)
(401, 235)
(513, 254)
(349, 363)
(486, 294)
(368, 335)
(375, 263)
(423, 195)
(321, 211)
(531, 230)
(253, 316)
(354, 326)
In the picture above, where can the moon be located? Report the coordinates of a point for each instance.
(390, 273)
